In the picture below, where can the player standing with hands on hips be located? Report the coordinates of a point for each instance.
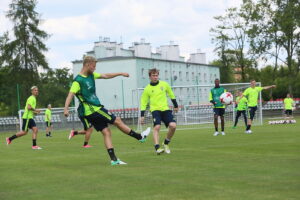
(156, 92)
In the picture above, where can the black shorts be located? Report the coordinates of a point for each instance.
(101, 118)
(28, 124)
(219, 111)
(252, 111)
(86, 124)
(288, 112)
(165, 116)
(48, 124)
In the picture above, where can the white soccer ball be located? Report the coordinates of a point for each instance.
(226, 98)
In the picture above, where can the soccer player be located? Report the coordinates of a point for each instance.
(219, 108)
(90, 107)
(157, 92)
(28, 121)
(241, 103)
(288, 107)
(252, 95)
(48, 117)
(87, 131)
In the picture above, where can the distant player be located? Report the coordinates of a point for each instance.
(241, 109)
(219, 108)
(28, 121)
(288, 107)
(90, 107)
(156, 92)
(252, 94)
(48, 117)
(87, 131)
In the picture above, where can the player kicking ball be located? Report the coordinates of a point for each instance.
(156, 92)
(84, 88)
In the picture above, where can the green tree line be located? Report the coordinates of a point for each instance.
(23, 63)
(260, 40)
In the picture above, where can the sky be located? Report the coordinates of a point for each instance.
(74, 25)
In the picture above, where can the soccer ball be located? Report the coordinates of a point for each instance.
(226, 98)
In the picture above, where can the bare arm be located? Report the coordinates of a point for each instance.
(67, 103)
(269, 87)
(36, 111)
(113, 75)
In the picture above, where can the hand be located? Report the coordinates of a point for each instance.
(125, 74)
(142, 120)
(66, 112)
(37, 111)
(175, 110)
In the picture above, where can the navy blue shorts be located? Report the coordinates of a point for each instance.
(48, 124)
(28, 124)
(101, 118)
(252, 111)
(86, 124)
(288, 112)
(165, 116)
(219, 111)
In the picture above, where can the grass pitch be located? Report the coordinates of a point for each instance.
(263, 165)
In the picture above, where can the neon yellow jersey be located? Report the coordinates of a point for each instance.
(242, 105)
(288, 103)
(252, 95)
(158, 96)
(48, 115)
(28, 114)
(88, 109)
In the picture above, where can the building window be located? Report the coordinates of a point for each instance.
(211, 78)
(215, 76)
(193, 76)
(143, 72)
(187, 76)
(180, 75)
(166, 75)
(204, 77)
(199, 77)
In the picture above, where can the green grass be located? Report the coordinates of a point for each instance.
(263, 165)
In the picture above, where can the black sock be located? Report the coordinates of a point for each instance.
(85, 143)
(222, 129)
(49, 133)
(135, 135)
(156, 146)
(34, 142)
(167, 141)
(248, 127)
(75, 132)
(112, 154)
(216, 129)
(13, 137)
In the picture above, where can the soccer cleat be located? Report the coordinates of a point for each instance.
(36, 147)
(117, 162)
(223, 133)
(71, 134)
(87, 146)
(159, 150)
(234, 127)
(8, 141)
(144, 135)
(216, 133)
(166, 148)
(249, 131)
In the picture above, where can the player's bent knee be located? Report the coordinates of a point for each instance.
(172, 125)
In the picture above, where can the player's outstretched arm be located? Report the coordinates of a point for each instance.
(269, 87)
(67, 103)
(113, 75)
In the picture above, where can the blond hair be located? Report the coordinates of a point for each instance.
(33, 87)
(88, 59)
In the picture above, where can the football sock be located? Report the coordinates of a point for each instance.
(13, 137)
(135, 135)
(156, 146)
(112, 154)
(49, 133)
(167, 141)
(248, 127)
(216, 129)
(85, 143)
(34, 142)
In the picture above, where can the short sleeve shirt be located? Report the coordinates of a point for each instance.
(76, 88)
(28, 114)
(252, 95)
(288, 103)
